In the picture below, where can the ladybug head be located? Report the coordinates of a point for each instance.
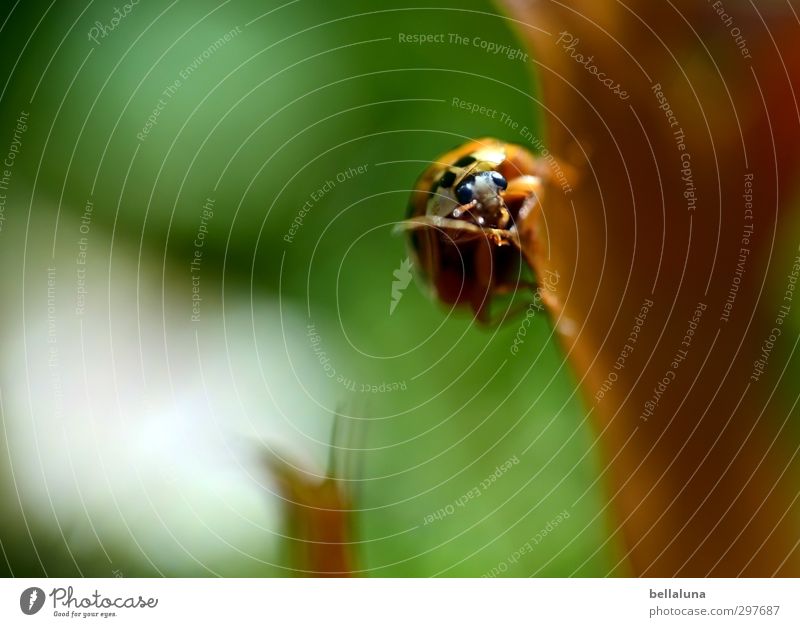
(480, 194)
(481, 186)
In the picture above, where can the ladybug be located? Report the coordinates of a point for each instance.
(464, 221)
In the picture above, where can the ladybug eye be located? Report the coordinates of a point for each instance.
(499, 180)
(466, 191)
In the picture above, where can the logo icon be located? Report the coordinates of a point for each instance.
(403, 277)
(31, 600)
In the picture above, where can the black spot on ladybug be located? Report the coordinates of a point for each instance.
(464, 161)
(447, 180)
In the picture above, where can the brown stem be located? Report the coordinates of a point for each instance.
(700, 472)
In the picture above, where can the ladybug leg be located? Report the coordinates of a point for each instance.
(423, 222)
(523, 193)
(522, 187)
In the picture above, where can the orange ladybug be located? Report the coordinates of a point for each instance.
(464, 221)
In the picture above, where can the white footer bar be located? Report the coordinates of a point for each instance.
(406, 602)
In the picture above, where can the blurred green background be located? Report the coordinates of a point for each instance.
(136, 451)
